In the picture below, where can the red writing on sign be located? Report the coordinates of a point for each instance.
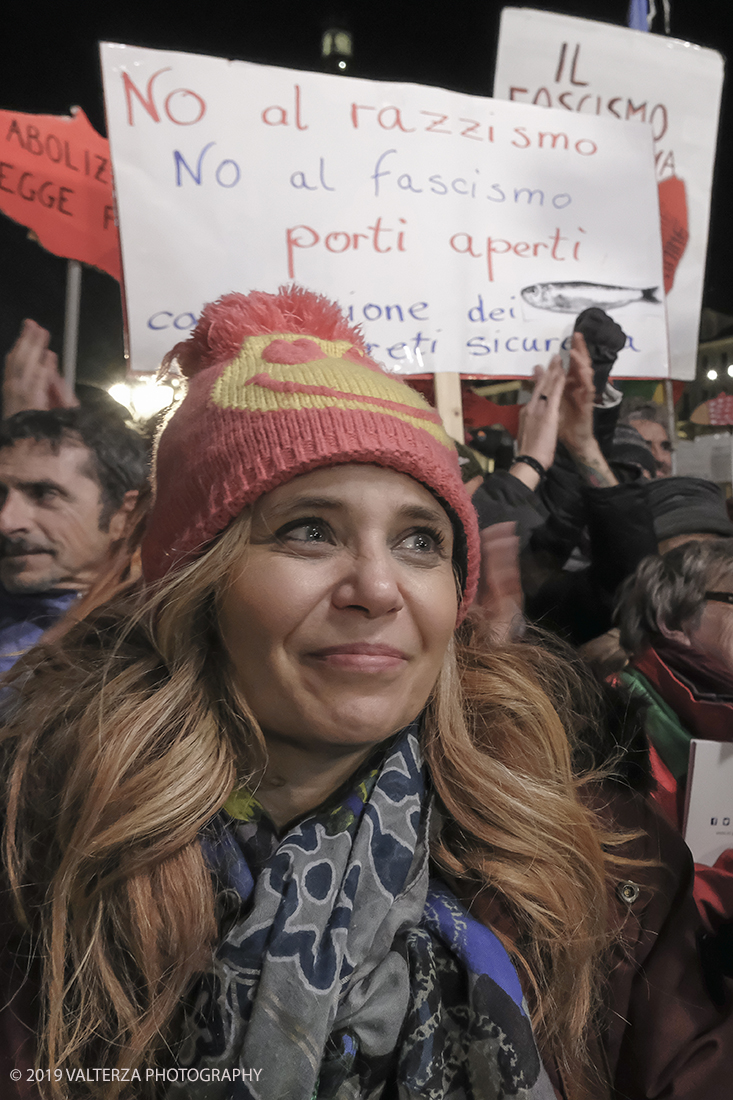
(378, 237)
(587, 101)
(498, 246)
(55, 178)
(392, 117)
(182, 106)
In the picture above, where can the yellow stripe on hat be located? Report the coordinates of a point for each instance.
(261, 402)
(236, 388)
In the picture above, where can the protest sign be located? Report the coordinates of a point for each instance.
(463, 233)
(56, 179)
(595, 69)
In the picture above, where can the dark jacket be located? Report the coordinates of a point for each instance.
(24, 617)
(660, 1033)
(578, 605)
(663, 1034)
(676, 713)
(501, 497)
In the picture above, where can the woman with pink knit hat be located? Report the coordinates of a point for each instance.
(279, 825)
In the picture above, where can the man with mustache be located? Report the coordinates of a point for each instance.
(70, 481)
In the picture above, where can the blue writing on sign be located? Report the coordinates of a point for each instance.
(227, 173)
(165, 318)
(472, 186)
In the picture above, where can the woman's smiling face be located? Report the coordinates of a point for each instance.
(339, 614)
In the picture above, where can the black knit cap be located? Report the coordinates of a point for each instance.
(688, 506)
(629, 448)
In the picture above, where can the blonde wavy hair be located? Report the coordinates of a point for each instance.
(128, 734)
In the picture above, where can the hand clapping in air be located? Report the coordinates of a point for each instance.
(539, 424)
(32, 379)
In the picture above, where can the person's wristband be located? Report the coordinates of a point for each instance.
(533, 463)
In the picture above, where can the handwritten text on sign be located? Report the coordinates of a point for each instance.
(593, 69)
(463, 233)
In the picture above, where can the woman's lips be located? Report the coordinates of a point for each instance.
(361, 657)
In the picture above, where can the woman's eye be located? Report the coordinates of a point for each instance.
(423, 542)
(309, 532)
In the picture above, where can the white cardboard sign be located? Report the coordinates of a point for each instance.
(708, 829)
(599, 70)
(463, 233)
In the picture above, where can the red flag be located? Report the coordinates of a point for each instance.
(675, 232)
(56, 179)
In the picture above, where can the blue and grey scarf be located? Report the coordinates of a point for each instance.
(344, 970)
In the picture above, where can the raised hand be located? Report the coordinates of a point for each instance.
(499, 598)
(576, 418)
(32, 379)
(540, 420)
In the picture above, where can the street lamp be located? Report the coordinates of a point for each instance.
(337, 47)
(143, 396)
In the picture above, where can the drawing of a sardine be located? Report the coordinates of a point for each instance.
(575, 297)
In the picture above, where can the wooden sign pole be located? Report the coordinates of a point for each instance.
(449, 403)
(671, 420)
(71, 321)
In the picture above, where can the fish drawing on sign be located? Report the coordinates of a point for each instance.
(575, 297)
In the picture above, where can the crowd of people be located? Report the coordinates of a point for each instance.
(334, 767)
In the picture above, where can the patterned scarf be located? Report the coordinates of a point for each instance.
(344, 971)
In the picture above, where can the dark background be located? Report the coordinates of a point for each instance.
(49, 62)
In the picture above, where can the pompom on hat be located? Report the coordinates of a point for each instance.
(279, 385)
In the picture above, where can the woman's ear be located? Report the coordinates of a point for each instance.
(677, 636)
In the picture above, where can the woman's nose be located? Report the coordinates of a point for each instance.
(369, 584)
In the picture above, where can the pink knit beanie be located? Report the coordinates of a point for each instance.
(280, 384)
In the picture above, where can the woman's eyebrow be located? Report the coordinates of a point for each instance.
(299, 504)
(422, 514)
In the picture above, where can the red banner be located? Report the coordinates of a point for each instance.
(675, 232)
(56, 179)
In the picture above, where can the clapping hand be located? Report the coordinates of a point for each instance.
(32, 379)
(540, 420)
(499, 597)
(576, 418)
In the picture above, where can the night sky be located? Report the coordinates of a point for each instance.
(49, 62)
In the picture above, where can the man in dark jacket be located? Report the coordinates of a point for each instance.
(69, 482)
